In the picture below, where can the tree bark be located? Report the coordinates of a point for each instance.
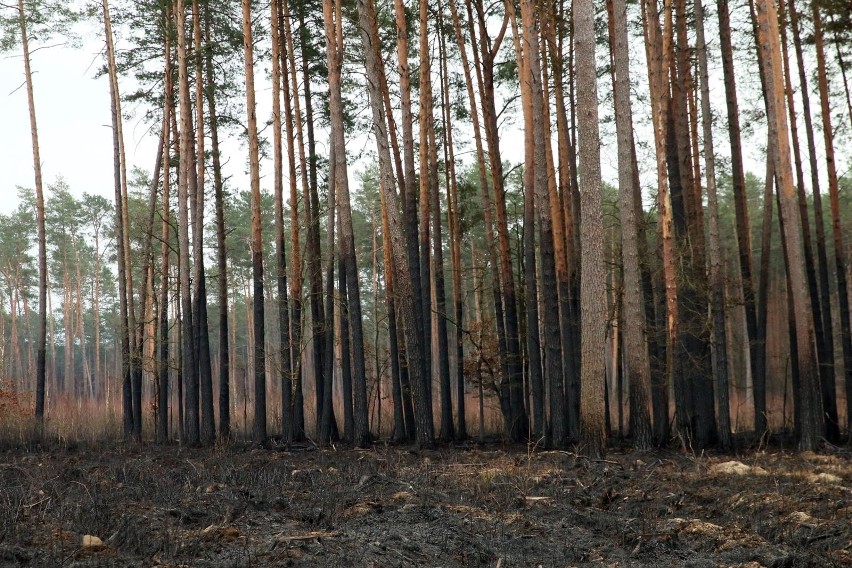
(454, 223)
(717, 261)
(695, 407)
(284, 337)
(511, 388)
(201, 330)
(221, 250)
(808, 399)
(825, 350)
(656, 44)
(592, 281)
(637, 365)
(828, 389)
(41, 339)
(295, 116)
(123, 277)
(425, 185)
(447, 430)
(328, 425)
(534, 381)
(347, 241)
(409, 196)
(743, 230)
(414, 346)
(259, 426)
(162, 365)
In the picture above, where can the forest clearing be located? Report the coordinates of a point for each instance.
(467, 505)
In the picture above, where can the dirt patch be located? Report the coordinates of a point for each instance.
(461, 506)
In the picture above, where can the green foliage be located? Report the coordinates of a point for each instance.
(45, 20)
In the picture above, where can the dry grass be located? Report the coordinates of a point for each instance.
(67, 422)
(70, 421)
(482, 505)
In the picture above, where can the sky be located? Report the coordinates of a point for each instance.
(74, 123)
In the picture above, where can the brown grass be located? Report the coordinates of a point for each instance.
(70, 420)
(67, 422)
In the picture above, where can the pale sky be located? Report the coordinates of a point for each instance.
(74, 123)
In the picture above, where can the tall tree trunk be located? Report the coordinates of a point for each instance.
(808, 399)
(190, 362)
(657, 50)
(829, 396)
(743, 230)
(147, 276)
(327, 422)
(347, 250)
(825, 351)
(511, 388)
(454, 223)
(796, 381)
(135, 339)
(592, 281)
(399, 432)
(540, 126)
(572, 386)
(562, 291)
(284, 338)
(534, 377)
(824, 298)
(717, 273)
(312, 208)
(201, 330)
(763, 269)
(296, 264)
(162, 363)
(426, 181)
(259, 427)
(695, 407)
(345, 350)
(68, 334)
(123, 277)
(414, 346)
(638, 368)
(447, 431)
(409, 196)
(569, 196)
(96, 309)
(221, 250)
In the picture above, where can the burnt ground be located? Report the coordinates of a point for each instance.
(389, 506)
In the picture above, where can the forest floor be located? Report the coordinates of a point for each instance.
(468, 505)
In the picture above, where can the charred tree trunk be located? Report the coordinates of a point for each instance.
(259, 426)
(284, 337)
(41, 340)
(829, 396)
(808, 399)
(638, 368)
(414, 348)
